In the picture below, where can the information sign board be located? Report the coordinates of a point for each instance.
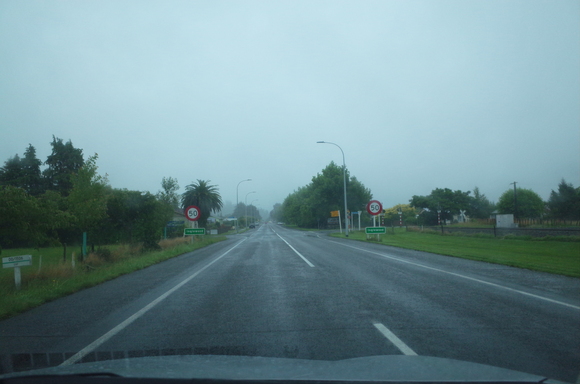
(175, 223)
(375, 230)
(194, 231)
(16, 261)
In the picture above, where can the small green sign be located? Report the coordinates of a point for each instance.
(194, 231)
(375, 230)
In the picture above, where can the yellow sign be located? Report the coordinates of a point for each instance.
(334, 213)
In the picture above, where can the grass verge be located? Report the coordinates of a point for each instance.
(56, 278)
(559, 257)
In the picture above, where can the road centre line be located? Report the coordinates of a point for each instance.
(95, 344)
(395, 340)
(462, 276)
(298, 253)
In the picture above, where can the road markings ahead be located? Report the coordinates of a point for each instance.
(395, 340)
(95, 344)
(298, 253)
(462, 276)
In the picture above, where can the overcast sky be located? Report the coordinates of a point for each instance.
(419, 94)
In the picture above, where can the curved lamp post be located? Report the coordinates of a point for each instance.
(237, 189)
(344, 180)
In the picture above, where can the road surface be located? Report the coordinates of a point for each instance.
(277, 292)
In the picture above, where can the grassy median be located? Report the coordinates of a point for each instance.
(52, 275)
(546, 255)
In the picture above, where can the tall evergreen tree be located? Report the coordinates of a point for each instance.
(23, 172)
(64, 160)
(565, 204)
(480, 207)
(32, 177)
(11, 173)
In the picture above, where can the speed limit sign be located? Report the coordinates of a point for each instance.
(192, 213)
(374, 207)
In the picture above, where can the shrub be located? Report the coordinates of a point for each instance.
(104, 253)
(174, 242)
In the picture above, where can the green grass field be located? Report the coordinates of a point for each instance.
(56, 278)
(559, 257)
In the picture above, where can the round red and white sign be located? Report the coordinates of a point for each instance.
(192, 213)
(374, 207)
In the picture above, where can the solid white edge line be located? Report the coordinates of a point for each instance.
(395, 340)
(298, 253)
(95, 344)
(463, 276)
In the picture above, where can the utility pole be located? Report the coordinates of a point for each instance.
(515, 201)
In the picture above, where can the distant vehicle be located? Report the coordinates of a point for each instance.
(252, 226)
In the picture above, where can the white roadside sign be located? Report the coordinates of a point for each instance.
(16, 261)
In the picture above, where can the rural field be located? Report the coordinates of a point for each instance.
(52, 274)
(560, 256)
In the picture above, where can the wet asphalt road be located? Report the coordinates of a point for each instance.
(283, 293)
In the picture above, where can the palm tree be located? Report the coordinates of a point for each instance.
(204, 196)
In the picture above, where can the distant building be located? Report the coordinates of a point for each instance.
(178, 215)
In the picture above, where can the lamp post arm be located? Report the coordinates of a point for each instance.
(237, 199)
(346, 220)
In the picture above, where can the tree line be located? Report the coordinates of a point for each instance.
(56, 205)
(310, 206)
(443, 204)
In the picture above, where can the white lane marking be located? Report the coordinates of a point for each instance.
(463, 276)
(394, 339)
(298, 253)
(95, 344)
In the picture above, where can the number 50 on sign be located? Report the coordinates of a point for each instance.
(374, 207)
(192, 213)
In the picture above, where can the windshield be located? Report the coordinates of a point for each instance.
(318, 181)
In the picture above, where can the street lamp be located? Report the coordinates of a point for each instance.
(246, 204)
(237, 190)
(344, 180)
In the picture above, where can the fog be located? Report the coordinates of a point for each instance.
(418, 94)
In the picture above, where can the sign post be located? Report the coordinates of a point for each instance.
(374, 208)
(192, 214)
(16, 262)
